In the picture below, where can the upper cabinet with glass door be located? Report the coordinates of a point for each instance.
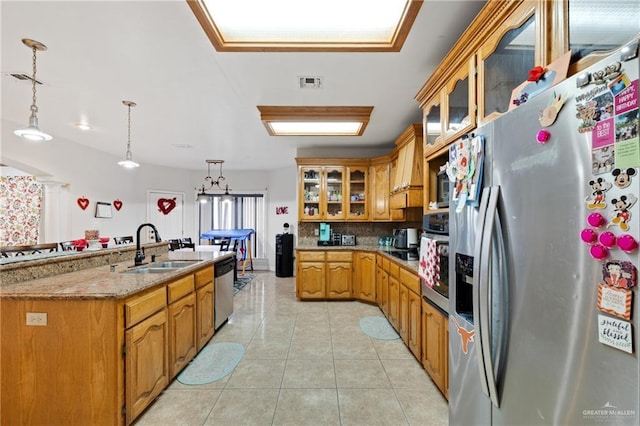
(310, 190)
(356, 201)
(334, 190)
(432, 127)
(460, 102)
(503, 64)
(598, 27)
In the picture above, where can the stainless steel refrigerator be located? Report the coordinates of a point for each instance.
(538, 331)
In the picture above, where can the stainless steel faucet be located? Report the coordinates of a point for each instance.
(140, 251)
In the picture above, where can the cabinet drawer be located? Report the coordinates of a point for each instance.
(180, 288)
(204, 276)
(144, 306)
(411, 280)
(394, 269)
(339, 256)
(311, 256)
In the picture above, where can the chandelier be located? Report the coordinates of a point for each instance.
(210, 182)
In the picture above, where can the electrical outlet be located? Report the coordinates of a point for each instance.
(316, 232)
(37, 318)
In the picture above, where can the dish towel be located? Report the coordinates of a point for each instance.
(429, 265)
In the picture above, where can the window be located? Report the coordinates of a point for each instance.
(238, 211)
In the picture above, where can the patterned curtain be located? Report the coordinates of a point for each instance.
(20, 210)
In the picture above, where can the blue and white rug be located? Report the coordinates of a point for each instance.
(213, 363)
(378, 328)
(242, 282)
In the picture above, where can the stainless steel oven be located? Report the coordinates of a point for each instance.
(436, 258)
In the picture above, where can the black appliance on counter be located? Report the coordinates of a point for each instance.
(284, 255)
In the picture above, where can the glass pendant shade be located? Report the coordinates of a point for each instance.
(128, 162)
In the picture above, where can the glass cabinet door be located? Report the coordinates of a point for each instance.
(597, 27)
(432, 126)
(503, 64)
(460, 103)
(334, 189)
(311, 189)
(357, 202)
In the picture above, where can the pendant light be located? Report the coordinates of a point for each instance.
(128, 163)
(32, 132)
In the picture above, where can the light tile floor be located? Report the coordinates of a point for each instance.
(305, 363)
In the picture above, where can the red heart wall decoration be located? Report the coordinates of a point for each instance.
(165, 205)
(117, 204)
(83, 203)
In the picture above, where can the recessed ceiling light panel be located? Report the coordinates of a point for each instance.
(315, 120)
(289, 25)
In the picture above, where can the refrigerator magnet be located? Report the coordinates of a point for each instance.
(621, 214)
(599, 187)
(622, 178)
(549, 115)
(614, 301)
(615, 333)
(619, 273)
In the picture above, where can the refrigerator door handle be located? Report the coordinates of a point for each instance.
(477, 284)
(485, 289)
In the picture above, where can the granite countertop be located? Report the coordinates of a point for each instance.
(102, 283)
(386, 251)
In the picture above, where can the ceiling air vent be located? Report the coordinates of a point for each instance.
(310, 82)
(23, 77)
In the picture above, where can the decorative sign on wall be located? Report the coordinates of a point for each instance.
(282, 210)
(83, 202)
(117, 204)
(615, 333)
(165, 205)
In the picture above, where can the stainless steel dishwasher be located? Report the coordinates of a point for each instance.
(223, 296)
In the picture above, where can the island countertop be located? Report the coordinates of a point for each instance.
(103, 283)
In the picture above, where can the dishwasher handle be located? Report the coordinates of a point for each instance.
(223, 267)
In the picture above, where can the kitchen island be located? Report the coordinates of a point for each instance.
(97, 345)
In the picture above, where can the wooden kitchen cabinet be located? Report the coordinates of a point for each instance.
(365, 276)
(435, 345)
(339, 280)
(382, 285)
(205, 328)
(310, 275)
(321, 193)
(357, 194)
(182, 333)
(147, 362)
(410, 311)
(324, 274)
(394, 296)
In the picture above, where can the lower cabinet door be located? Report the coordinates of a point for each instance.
(204, 321)
(182, 333)
(147, 363)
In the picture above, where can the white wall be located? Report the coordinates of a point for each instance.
(80, 171)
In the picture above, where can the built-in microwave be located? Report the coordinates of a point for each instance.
(436, 223)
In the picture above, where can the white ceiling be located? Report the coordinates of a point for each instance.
(155, 54)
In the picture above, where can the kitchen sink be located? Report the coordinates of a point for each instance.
(161, 267)
(149, 270)
(173, 264)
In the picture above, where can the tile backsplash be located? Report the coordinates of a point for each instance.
(367, 233)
